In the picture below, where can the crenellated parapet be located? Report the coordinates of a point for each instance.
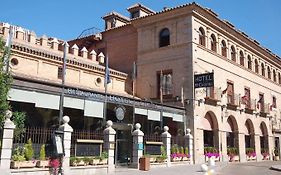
(27, 37)
(51, 48)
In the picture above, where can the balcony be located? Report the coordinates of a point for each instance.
(233, 101)
(250, 105)
(213, 95)
(264, 109)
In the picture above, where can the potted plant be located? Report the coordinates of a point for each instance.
(250, 154)
(28, 155)
(104, 158)
(86, 160)
(163, 156)
(186, 153)
(79, 161)
(276, 154)
(211, 153)
(73, 161)
(175, 156)
(95, 160)
(17, 158)
(265, 154)
(42, 162)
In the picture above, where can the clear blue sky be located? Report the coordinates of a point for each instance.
(65, 19)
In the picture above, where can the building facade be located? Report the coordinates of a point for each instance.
(36, 64)
(241, 111)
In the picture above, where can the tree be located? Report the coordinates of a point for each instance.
(5, 84)
(6, 81)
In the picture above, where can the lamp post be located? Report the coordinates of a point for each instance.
(63, 81)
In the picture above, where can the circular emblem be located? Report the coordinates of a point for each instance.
(120, 112)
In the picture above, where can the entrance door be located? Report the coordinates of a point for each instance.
(277, 146)
(124, 147)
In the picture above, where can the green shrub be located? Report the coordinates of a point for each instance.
(42, 152)
(28, 150)
(181, 150)
(175, 149)
(18, 154)
(72, 160)
(104, 155)
(186, 150)
(87, 160)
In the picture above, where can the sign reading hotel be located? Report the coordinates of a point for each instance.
(204, 80)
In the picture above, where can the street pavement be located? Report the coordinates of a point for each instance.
(252, 168)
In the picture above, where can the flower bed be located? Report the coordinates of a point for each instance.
(211, 153)
(179, 153)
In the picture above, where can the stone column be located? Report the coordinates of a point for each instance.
(109, 145)
(199, 156)
(67, 130)
(137, 145)
(189, 143)
(224, 155)
(7, 143)
(166, 139)
(258, 147)
(242, 147)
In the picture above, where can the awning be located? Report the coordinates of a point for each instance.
(41, 100)
(21, 96)
(47, 101)
(156, 115)
(73, 103)
(141, 111)
(93, 109)
(176, 117)
(153, 115)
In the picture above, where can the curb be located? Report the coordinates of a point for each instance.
(276, 168)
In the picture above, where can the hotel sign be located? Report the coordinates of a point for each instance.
(204, 80)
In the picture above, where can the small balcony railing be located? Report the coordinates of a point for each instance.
(213, 93)
(233, 99)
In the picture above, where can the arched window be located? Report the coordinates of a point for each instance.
(274, 75)
(164, 37)
(213, 43)
(256, 66)
(223, 48)
(202, 37)
(249, 62)
(241, 58)
(262, 69)
(279, 78)
(268, 72)
(233, 53)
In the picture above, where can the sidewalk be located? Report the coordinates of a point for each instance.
(174, 169)
(276, 167)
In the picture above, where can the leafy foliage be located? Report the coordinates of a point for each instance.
(42, 153)
(5, 84)
(29, 152)
(19, 120)
(18, 154)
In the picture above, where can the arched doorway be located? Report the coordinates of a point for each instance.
(264, 140)
(249, 134)
(210, 126)
(232, 133)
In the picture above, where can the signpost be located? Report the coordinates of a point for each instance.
(204, 80)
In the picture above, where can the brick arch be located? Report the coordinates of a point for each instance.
(210, 121)
(232, 123)
(263, 129)
(249, 127)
